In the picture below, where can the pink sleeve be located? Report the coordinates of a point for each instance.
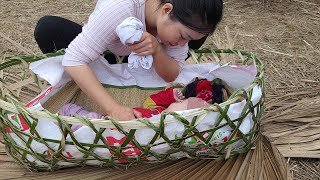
(98, 33)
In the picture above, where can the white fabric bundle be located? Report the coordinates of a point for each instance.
(129, 32)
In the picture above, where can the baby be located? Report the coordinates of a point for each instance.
(170, 99)
(198, 92)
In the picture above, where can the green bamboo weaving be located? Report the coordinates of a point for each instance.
(17, 88)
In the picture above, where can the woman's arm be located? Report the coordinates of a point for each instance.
(88, 83)
(166, 67)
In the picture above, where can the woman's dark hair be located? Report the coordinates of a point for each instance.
(199, 15)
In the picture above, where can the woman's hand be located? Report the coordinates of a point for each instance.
(123, 113)
(147, 45)
(88, 83)
(165, 66)
(178, 95)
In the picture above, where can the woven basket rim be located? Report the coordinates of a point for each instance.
(134, 124)
(54, 156)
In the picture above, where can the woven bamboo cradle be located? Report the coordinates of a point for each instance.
(15, 91)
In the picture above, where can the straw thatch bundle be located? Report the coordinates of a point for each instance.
(292, 123)
(16, 89)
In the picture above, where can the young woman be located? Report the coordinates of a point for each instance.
(169, 26)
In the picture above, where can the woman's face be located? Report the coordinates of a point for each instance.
(172, 32)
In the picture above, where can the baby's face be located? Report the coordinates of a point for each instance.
(190, 103)
(194, 103)
(178, 106)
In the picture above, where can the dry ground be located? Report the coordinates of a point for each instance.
(284, 33)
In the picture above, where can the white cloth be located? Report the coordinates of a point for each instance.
(51, 69)
(129, 32)
(236, 77)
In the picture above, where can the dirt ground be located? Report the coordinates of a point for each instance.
(285, 34)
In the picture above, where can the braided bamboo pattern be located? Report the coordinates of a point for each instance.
(54, 159)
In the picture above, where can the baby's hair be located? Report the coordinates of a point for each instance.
(199, 15)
